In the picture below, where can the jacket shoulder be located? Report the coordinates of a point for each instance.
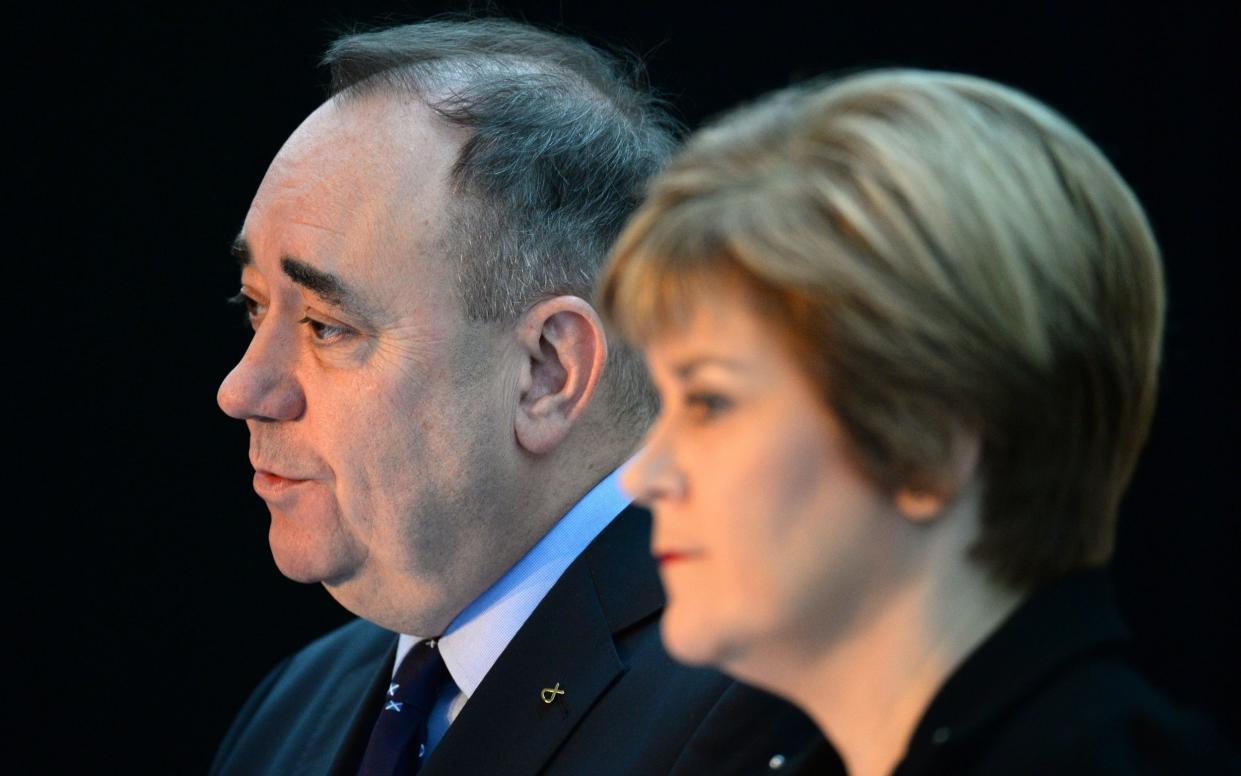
(1105, 717)
(308, 699)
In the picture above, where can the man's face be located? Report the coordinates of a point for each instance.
(379, 432)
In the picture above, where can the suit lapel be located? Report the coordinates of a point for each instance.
(347, 722)
(507, 726)
(625, 575)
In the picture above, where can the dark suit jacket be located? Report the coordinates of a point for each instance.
(1052, 692)
(627, 708)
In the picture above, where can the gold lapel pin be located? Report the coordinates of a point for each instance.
(549, 693)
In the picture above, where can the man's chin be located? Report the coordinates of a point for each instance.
(302, 558)
(300, 570)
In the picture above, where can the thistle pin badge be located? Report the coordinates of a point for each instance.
(549, 693)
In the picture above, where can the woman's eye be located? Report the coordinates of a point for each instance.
(705, 406)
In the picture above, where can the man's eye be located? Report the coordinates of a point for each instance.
(325, 332)
(254, 311)
(703, 406)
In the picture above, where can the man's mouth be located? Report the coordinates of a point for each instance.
(271, 484)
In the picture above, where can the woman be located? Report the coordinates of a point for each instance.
(905, 329)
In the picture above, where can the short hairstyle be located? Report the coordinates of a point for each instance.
(942, 254)
(563, 138)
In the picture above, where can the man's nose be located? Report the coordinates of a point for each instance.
(263, 385)
(653, 474)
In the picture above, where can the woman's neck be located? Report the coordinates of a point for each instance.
(869, 692)
(868, 688)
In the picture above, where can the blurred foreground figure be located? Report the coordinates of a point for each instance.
(436, 419)
(905, 329)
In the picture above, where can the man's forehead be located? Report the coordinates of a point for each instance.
(337, 153)
(380, 127)
(367, 164)
(361, 165)
(356, 200)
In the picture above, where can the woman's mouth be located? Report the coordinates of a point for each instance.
(674, 556)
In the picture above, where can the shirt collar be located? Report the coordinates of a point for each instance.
(474, 640)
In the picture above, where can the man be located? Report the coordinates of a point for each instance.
(436, 418)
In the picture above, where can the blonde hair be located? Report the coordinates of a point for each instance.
(942, 253)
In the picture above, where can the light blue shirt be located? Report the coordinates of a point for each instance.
(474, 640)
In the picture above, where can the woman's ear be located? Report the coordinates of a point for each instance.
(565, 350)
(926, 501)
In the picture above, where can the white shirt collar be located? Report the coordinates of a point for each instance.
(474, 640)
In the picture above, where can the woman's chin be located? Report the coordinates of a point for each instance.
(696, 640)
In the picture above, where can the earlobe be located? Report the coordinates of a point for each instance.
(565, 352)
(918, 504)
(922, 503)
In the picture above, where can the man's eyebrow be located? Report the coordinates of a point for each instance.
(325, 285)
(686, 369)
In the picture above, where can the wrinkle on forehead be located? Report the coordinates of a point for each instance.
(372, 175)
(311, 225)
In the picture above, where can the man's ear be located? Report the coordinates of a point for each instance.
(926, 501)
(565, 349)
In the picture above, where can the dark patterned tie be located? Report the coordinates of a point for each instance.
(398, 740)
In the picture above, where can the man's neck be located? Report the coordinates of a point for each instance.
(476, 637)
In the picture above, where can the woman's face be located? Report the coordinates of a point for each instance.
(767, 534)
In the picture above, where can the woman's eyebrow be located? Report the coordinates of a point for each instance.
(685, 369)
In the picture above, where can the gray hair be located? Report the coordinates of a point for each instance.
(563, 140)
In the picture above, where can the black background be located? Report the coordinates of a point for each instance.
(148, 603)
